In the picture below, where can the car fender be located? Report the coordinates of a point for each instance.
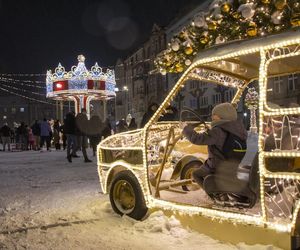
(182, 162)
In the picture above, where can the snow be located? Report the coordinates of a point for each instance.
(49, 203)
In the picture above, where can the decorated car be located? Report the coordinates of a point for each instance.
(152, 167)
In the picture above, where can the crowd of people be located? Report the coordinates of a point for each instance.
(73, 133)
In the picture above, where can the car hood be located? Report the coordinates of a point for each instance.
(131, 140)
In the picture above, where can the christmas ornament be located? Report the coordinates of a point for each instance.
(280, 4)
(188, 49)
(163, 72)
(252, 29)
(295, 20)
(187, 62)
(276, 17)
(247, 10)
(236, 15)
(204, 38)
(265, 1)
(179, 67)
(199, 21)
(226, 7)
(212, 25)
(220, 39)
(175, 45)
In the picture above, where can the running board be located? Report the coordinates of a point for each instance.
(170, 184)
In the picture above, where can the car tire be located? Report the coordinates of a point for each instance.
(126, 196)
(186, 173)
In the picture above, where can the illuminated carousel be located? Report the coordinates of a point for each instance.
(81, 85)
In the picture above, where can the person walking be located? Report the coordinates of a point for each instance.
(30, 139)
(82, 128)
(5, 133)
(106, 129)
(45, 134)
(21, 131)
(64, 137)
(70, 132)
(95, 129)
(36, 131)
(56, 135)
(132, 125)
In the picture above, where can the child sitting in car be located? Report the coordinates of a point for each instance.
(225, 131)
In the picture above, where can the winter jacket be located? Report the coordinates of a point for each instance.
(69, 124)
(82, 124)
(36, 129)
(215, 138)
(45, 128)
(5, 131)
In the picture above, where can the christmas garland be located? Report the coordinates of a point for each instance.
(227, 20)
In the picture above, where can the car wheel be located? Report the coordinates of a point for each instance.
(186, 173)
(126, 196)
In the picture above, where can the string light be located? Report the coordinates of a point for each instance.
(23, 81)
(20, 74)
(23, 90)
(26, 97)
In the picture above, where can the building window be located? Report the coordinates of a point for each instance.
(216, 98)
(22, 109)
(277, 85)
(229, 94)
(203, 100)
(13, 110)
(292, 80)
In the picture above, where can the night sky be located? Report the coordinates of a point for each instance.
(36, 35)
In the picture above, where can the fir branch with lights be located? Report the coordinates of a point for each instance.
(227, 20)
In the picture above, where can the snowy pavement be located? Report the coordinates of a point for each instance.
(49, 203)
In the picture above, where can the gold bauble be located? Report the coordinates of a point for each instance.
(295, 20)
(252, 29)
(212, 25)
(280, 4)
(188, 50)
(179, 67)
(226, 7)
(168, 63)
(204, 39)
(236, 15)
(265, 1)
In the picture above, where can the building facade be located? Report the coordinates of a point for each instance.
(137, 86)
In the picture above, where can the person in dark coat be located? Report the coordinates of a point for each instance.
(36, 131)
(45, 134)
(95, 129)
(170, 115)
(64, 137)
(150, 112)
(70, 131)
(132, 124)
(5, 133)
(22, 133)
(82, 124)
(121, 126)
(224, 121)
(106, 129)
(56, 134)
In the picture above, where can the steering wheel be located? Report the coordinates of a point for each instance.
(201, 120)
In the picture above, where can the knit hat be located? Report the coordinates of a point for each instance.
(225, 111)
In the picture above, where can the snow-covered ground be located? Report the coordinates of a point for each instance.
(49, 203)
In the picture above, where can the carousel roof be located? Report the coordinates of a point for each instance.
(80, 81)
